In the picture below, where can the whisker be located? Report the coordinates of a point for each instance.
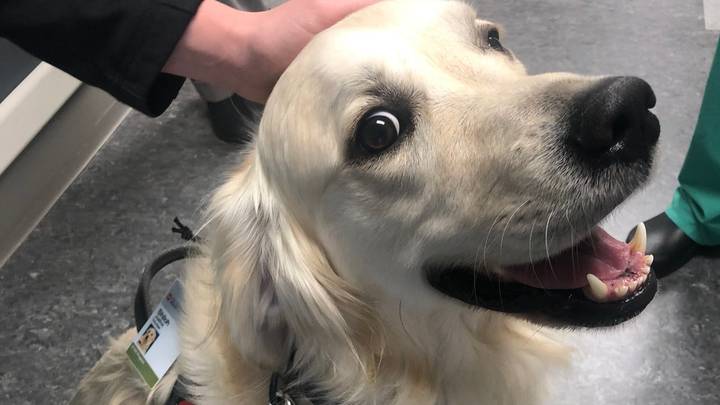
(502, 236)
(532, 262)
(572, 246)
(547, 246)
(587, 225)
(487, 239)
(484, 266)
(502, 239)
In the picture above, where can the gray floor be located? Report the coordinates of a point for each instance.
(70, 285)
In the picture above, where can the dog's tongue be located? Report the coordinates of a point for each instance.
(602, 263)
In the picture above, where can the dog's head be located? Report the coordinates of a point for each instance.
(406, 154)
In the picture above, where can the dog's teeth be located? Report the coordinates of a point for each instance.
(621, 291)
(642, 280)
(639, 240)
(649, 260)
(645, 270)
(598, 289)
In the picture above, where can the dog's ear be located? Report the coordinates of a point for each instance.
(276, 283)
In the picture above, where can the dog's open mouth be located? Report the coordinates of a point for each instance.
(601, 281)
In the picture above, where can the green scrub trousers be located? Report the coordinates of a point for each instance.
(695, 208)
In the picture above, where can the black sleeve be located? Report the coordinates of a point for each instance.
(120, 46)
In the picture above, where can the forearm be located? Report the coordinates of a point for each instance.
(119, 46)
(140, 50)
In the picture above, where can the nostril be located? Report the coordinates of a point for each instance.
(650, 97)
(640, 89)
(610, 116)
(621, 126)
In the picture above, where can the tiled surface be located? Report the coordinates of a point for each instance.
(70, 285)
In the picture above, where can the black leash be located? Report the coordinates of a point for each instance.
(279, 392)
(142, 306)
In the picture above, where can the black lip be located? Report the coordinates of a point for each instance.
(560, 307)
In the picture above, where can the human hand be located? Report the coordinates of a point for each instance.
(247, 52)
(284, 32)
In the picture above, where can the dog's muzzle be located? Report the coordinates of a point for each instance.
(600, 281)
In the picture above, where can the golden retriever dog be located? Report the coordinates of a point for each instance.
(414, 211)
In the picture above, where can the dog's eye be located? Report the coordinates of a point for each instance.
(378, 131)
(494, 39)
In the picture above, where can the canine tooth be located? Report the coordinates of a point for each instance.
(649, 260)
(621, 291)
(645, 270)
(639, 240)
(642, 280)
(598, 289)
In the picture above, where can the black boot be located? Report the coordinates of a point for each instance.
(234, 119)
(668, 244)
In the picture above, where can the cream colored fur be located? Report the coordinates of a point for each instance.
(307, 247)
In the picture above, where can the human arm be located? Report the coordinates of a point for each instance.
(119, 46)
(247, 52)
(141, 50)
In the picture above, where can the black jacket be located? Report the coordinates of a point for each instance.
(120, 46)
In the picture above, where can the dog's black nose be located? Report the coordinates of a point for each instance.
(613, 118)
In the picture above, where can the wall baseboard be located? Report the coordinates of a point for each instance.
(43, 170)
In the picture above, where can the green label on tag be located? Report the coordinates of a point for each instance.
(136, 358)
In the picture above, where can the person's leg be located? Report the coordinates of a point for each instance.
(228, 112)
(696, 204)
(693, 218)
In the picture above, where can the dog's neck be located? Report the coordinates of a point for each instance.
(441, 358)
(406, 355)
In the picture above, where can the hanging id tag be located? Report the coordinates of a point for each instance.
(156, 347)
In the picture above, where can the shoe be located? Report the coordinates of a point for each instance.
(234, 119)
(668, 244)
